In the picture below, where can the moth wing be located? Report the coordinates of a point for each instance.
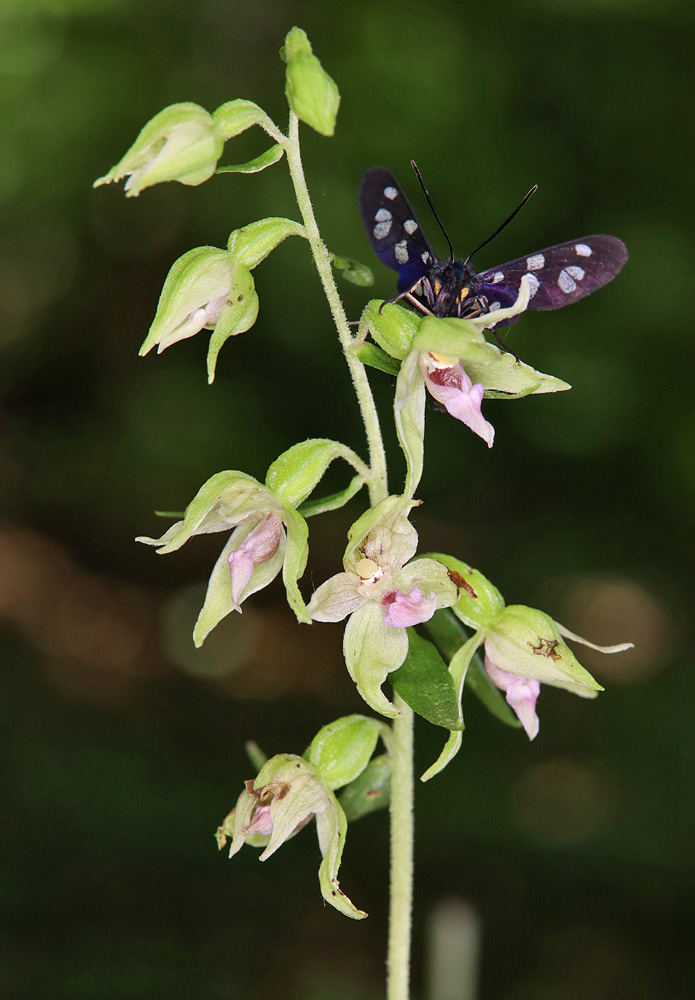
(560, 274)
(393, 228)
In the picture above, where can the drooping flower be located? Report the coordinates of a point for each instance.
(382, 593)
(267, 535)
(181, 143)
(287, 794)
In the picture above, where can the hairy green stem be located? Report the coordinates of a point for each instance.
(400, 915)
(378, 488)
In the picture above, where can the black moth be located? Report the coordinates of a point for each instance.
(559, 275)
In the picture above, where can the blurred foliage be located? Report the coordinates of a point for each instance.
(123, 748)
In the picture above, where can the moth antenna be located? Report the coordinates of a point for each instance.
(414, 165)
(504, 224)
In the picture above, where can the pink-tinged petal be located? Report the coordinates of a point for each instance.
(337, 598)
(259, 546)
(453, 388)
(521, 694)
(262, 822)
(408, 609)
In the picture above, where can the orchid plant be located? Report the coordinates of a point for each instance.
(415, 620)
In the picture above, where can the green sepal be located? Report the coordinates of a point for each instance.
(224, 496)
(479, 611)
(238, 315)
(254, 242)
(353, 271)
(294, 475)
(296, 555)
(372, 651)
(409, 417)
(341, 750)
(331, 827)
(506, 378)
(449, 635)
(255, 754)
(449, 751)
(310, 508)
(373, 356)
(370, 791)
(454, 338)
(393, 328)
(236, 116)
(424, 682)
(260, 162)
(310, 91)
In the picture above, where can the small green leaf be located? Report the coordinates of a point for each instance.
(370, 791)
(341, 750)
(392, 326)
(310, 508)
(353, 271)
(295, 474)
(236, 116)
(372, 355)
(310, 91)
(254, 242)
(260, 162)
(424, 682)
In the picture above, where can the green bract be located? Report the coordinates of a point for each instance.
(182, 143)
(284, 797)
(310, 92)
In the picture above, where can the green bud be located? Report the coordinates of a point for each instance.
(236, 116)
(254, 242)
(294, 475)
(341, 750)
(181, 143)
(310, 92)
(477, 611)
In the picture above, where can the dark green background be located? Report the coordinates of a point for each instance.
(122, 748)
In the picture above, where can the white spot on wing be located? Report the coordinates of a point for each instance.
(497, 277)
(401, 252)
(583, 250)
(533, 285)
(535, 262)
(425, 257)
(390, 193)
(383, 223)
(576, 272)
(566, 282)
(410, 225)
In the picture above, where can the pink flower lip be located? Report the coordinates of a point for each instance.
(408, 609)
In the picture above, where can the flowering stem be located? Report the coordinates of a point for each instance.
(400, 916)
(378, 488)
